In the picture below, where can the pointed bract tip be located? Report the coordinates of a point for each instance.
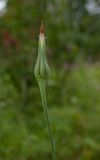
(42, 29)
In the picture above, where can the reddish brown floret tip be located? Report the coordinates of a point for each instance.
(42, 29)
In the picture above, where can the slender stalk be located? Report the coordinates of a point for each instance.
(44, 103)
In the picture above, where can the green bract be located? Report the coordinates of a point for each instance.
(42, 70)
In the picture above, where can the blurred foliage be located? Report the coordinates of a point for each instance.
(73, 45)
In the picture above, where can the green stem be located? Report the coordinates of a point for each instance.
(44, 102)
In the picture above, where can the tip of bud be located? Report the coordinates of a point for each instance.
(42, 29)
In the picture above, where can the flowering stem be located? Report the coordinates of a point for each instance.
(44, 103)
(42, 72)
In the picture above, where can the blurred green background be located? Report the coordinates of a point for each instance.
(73, 92)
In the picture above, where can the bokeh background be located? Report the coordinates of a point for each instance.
(73, 91)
